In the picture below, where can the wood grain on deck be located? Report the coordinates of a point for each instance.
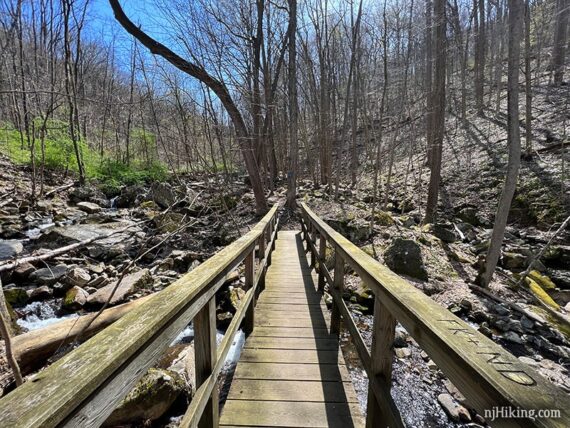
(291, 371)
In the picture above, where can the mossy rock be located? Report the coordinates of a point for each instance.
(150, 205)
(169, 222)
(542, 280)
(383, 218)
(540, 294)
(16, 296)
(151, 397)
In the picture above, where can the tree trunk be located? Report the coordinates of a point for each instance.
(292, 94)
(439, 110)
(516, 10)
(560, 40)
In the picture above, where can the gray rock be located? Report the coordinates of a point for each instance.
(162, 194)
(89, 207)
(403, 352)
(501, 310)
(75, 298)
(527, 323)
(9, 249)
(400, 339)
(151, 397)
(455, 411)
(77, 277)
(40, 293)
(511, 336)
(49, 275)
(444, 232)
(128, 285)
(561, 278)
(404, 256)
(470, 215)
(23, 271)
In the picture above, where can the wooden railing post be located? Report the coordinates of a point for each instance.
(205, 358)
(380, 371)
(249, 318)
(338, 285)
(261, 284)
(268, 235)
(322, 256)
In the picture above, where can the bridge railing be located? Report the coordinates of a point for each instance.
(83, 388)
(487, 375)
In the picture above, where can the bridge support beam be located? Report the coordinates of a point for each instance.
(206, 355)
(322, 256)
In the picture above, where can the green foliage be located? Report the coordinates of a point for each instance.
(113, 174)
(59, 155)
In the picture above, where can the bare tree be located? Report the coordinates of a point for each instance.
(292, 93)
(560, 40)
(216, 85)
(438, 97)
(516, 13)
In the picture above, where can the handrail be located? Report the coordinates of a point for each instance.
(83, 387)
(488, 376)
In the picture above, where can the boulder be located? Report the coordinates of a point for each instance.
(151, 397)
(514, 261)
(77, 277)
(89, 207)
(383, 218)
(75, 298)
(49, 275)
(561, 278)
(445, 232)
(15, 295)
(9, 249)
(168, 222)
(404, 256)
(23, 271)
(162, 194)
(40, 293)
(129, 196)
(128, 285)
(236, 296)
(455, 411)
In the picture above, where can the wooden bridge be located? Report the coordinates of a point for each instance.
(291, 372)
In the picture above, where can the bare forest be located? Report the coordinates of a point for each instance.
(138, 139)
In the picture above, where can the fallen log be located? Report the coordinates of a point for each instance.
(34, 348)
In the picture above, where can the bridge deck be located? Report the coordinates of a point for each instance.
(291, 372)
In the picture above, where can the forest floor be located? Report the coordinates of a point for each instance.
(166, 229)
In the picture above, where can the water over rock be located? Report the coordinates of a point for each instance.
(9, 249)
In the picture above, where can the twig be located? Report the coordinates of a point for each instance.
(59, 189)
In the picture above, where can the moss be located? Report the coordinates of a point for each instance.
(542, 280)
(16, 296)
(540, 294)
(383, 218)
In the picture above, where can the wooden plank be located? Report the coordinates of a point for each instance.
(289, 356)
(293, 390)
(487, 374)
(325, 344)
(290, 332)
(268, 322)
(291, 371)
(283, 414)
